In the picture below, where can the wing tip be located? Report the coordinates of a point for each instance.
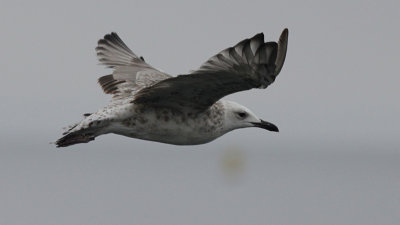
(112, 51)
(111, 34)
(284, 35)
(259, 36)
(286, 31)
(282, 49)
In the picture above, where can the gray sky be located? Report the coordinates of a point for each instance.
(336, 102)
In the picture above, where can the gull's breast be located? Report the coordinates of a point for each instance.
(171, 126)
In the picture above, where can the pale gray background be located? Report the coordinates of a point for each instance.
(336, 102)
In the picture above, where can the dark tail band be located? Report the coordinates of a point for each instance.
(75, 138)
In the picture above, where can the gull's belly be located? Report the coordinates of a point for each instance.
(172, 133)
(171, 127)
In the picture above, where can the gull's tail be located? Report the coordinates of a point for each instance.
(76, 137)
(83, 132)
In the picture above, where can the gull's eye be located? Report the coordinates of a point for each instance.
(242, 115)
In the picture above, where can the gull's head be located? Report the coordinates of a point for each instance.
(238, 116)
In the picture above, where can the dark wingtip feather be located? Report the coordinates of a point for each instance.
(285, 33)
(109, 84)
(259, 36)
(282, 49)
(271, 50)
(101, 41)
(114, 39)
(256, 42)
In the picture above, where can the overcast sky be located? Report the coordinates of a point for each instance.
(335, 160)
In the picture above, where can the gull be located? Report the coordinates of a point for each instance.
(187, 109)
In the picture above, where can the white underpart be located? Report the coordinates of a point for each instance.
(127, 119)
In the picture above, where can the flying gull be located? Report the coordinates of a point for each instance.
(183, 110)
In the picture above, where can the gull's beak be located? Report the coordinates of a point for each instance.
(266, 125)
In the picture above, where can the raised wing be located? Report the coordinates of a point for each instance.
(131, 73)
(249, 64)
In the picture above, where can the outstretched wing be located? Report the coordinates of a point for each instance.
(131, 73)
(249, 64)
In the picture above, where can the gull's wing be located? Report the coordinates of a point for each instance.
(131, 73)
(249, 64)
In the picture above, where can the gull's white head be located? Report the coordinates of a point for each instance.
(238, 116)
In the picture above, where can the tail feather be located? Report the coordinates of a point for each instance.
(85, 131)
(75, 138)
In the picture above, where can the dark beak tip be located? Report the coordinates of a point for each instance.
(272, 128)
(267, 125)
